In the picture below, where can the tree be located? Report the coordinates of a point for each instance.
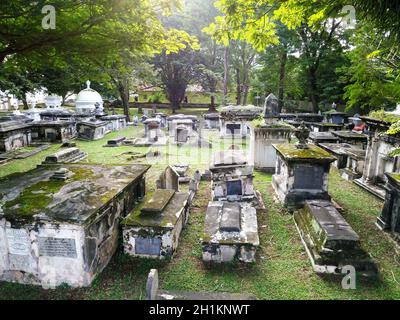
(176, 71)
(374, 73)
(22, 31)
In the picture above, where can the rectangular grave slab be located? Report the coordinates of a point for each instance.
(158, 202)
(230, 232)
(156, 235)
(115, 142)
(230, 218)
(330, 241)
(64, 230)
(68, 155)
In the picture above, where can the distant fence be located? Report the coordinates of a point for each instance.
(150, 105)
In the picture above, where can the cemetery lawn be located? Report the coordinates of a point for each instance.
(282, 270)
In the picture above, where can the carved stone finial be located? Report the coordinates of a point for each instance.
(302, 133)
(88, 84)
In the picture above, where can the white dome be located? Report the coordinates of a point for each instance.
(88, 100)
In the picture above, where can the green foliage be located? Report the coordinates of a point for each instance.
(384, 116)
(156, 97)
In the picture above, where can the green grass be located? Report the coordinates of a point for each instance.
(282, 270)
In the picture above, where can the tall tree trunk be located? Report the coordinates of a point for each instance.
(238, 87)
(314, 96)
(226, 75)
(124, 94)
(245, 94)
(24, 101)
(282, 76)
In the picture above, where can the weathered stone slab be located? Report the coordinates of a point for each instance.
(230, 218)
(158, 202)
(235, 240)
(330, 241)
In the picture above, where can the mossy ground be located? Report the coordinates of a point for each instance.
(282, 270)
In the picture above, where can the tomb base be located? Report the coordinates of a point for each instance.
(377, 190)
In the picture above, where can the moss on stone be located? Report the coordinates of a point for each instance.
(290, 151)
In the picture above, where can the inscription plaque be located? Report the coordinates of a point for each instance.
(18, 242)
(149, 246)
(308, 177)
(57, 247)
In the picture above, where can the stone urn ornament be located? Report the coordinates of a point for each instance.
(302, 133)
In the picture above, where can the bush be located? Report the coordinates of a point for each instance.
(156, 97)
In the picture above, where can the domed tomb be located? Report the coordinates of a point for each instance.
(88, 101)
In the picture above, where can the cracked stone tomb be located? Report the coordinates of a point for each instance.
(59, 224)
(153, 230)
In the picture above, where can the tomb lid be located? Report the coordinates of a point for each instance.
(350, 135)
(113, 117)
(327, 124)
(93, 123)
(337, 148)
(323, 136)
(330, 221)
(158, 202)
(229, 158)
(230, 217)
(335, 113)
(167, 219)
(313, 154)
(182, 117)
(212, 116)
(12, 125)
(33, 197)
(248, 234)
(152, 120)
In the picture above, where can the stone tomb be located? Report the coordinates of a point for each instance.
(116, 142)
(235, 121)
(389, 220)
(190, 122)
(152, 130)
(336, 117)
(92, 130)
(14, 135)
(330, 241)
(325, 127)
(378, 160)
(232, 177)
(340, 151)
(230, 232)
(351, 137)
(53, 131)
(301, 174)
(211, 121)
(115, 122)
(322, 137)
(355, 164)
(59, 224)
(153, 230)
(264, 137)
(68, 155)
